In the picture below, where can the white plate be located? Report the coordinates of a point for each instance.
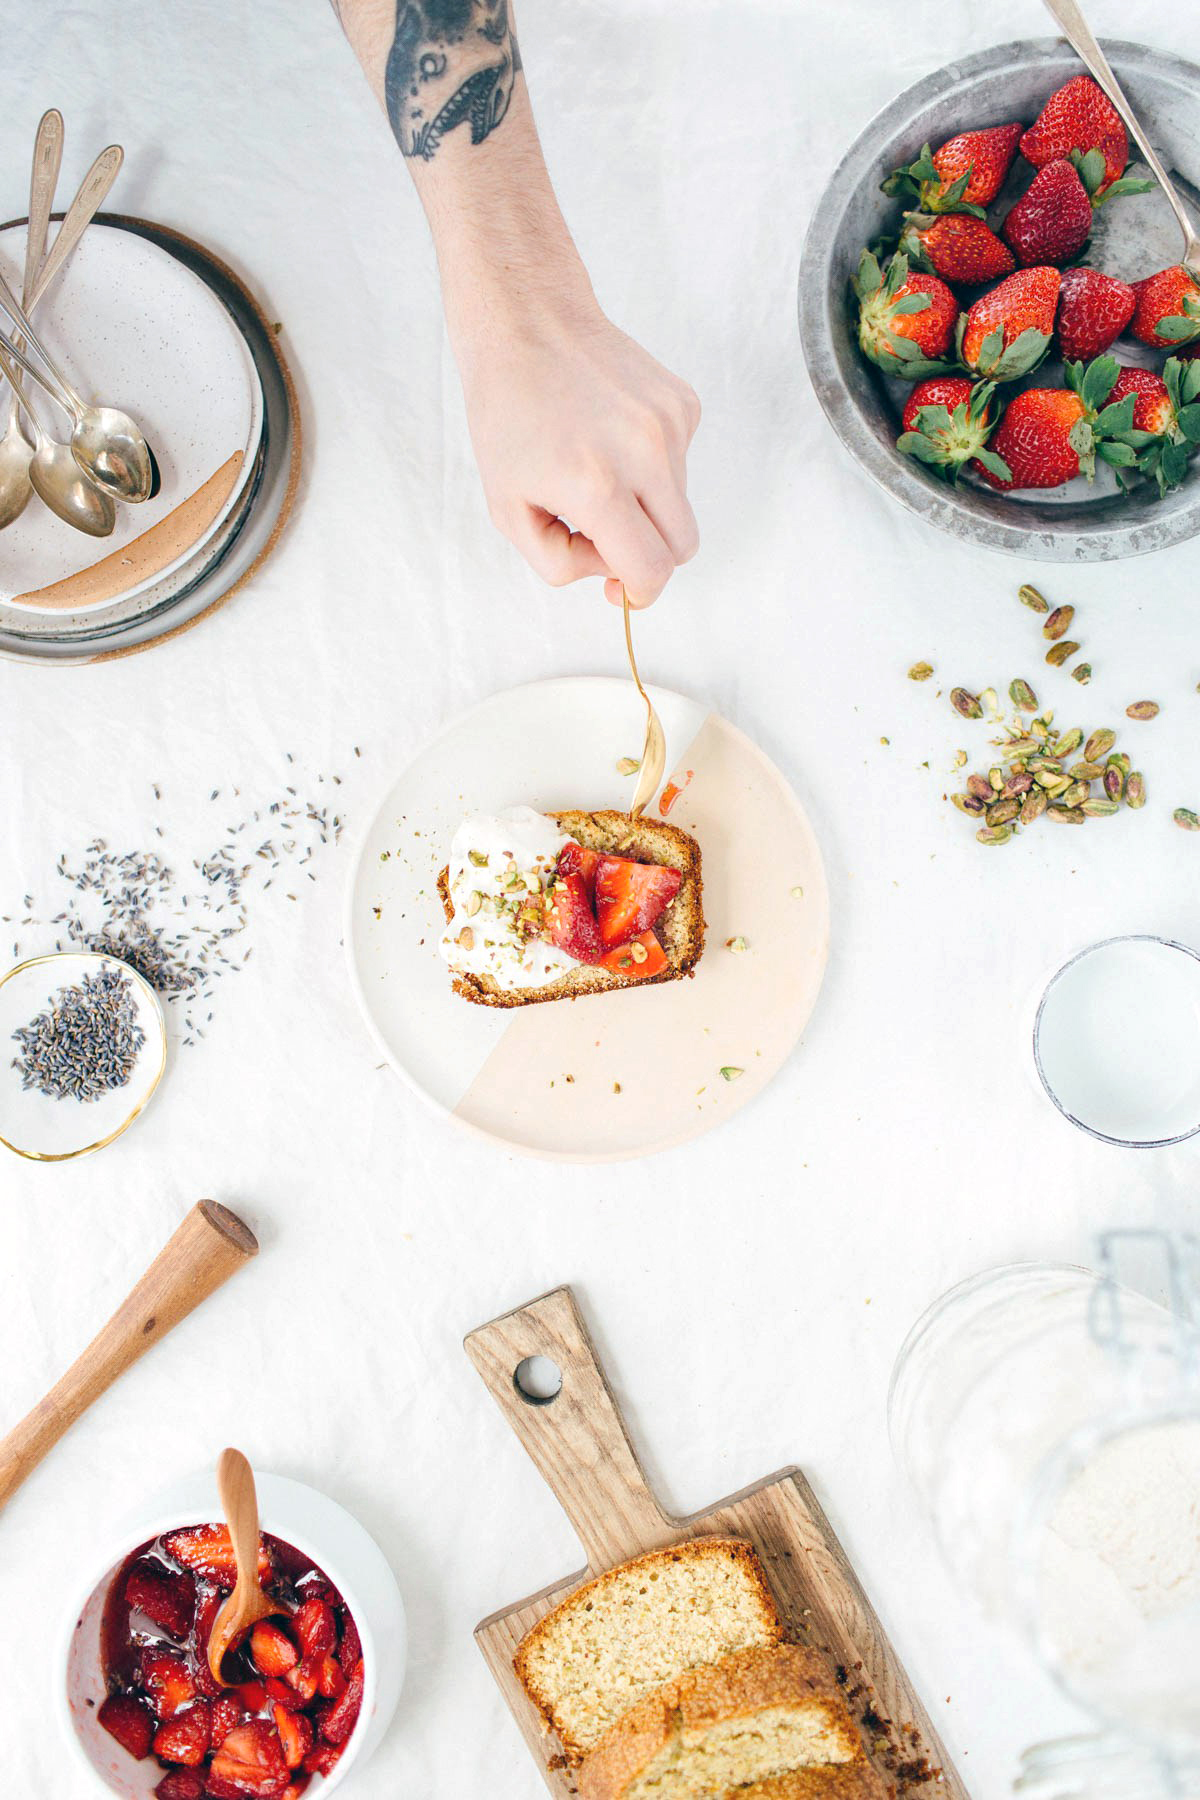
(544, 1079)
(171, 355)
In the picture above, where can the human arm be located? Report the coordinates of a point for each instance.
(570, 419)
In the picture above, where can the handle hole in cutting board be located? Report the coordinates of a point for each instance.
(538, 1380)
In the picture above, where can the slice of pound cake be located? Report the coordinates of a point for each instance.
(640, 1625)
(759, 1714)
(832, 1781)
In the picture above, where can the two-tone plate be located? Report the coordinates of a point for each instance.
(612, 1075)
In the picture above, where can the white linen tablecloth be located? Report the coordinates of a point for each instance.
(749, 1291)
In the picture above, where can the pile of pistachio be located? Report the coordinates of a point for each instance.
(1041, 773)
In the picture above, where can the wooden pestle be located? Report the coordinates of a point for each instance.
(202, 1254)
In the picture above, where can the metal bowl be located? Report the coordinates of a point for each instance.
(1134, 236)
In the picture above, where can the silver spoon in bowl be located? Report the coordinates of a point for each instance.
(55, 476)
(106, 443)
(15, 449)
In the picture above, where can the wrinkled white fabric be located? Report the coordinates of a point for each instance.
(749, 1291)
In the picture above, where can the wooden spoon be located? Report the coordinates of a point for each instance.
(248, 1602)
(208, 1247)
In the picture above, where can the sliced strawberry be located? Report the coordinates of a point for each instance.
(271, 1649)
(628, 959)
(281, 1693)
(350, 1649)
(250, 1762)
(630, 896)
(331, 1682)
(168, 1682)
(169, 1601)
(304, 1676)
(337, 1720)
(570, 921)
(251, 1696)
(128, 1721)
(575, 859)
(207, 1607)
(208, 1551)
(181, 1784)
(185, 1738)
(295, 1734)
(296, 1785)
(322, 1759)
(314, 1627)
(224, 1714)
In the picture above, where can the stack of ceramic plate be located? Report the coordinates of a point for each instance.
(143, 320)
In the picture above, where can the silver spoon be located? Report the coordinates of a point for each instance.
(1078, 33)
(57, 479)
(15, 449)
(106, 443)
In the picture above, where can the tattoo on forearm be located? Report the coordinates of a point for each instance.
(452, 62)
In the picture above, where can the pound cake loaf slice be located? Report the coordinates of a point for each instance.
(757, 1715)
(826, 1781)
(640, 1625)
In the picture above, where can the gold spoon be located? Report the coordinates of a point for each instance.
(1070, 20)
(248, 1603)
(654, 753)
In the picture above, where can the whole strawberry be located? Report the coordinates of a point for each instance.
(964, 175)
(1052, 221)
(1093, 311)
(1078, 117)
(1166, 420)
(1152, 408)
(1007, 332)
(956, 246)
(905, 322)
(1049, 435)
(947, 423)
(1166, 309)
(1037, 439)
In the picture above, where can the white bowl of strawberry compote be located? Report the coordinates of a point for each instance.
(314, 1691)
(1034, 97)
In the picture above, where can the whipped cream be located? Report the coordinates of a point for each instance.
(498, 863)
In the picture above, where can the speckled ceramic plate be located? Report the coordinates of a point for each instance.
(170, 354)
(1134, 236)
(612, 1075)
(249, 534)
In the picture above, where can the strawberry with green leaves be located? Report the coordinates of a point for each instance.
(1007, 332)
(1049, 435)
(1093, 311)
(1076, 120)
(1166, 419)
(905, 322)
(963, 176)
(947, 423)
(1052, 221)
(1166, 311)
(956, 246)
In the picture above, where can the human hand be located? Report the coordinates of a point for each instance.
(581, 439)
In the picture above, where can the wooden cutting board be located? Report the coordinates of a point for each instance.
(579, 1443)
